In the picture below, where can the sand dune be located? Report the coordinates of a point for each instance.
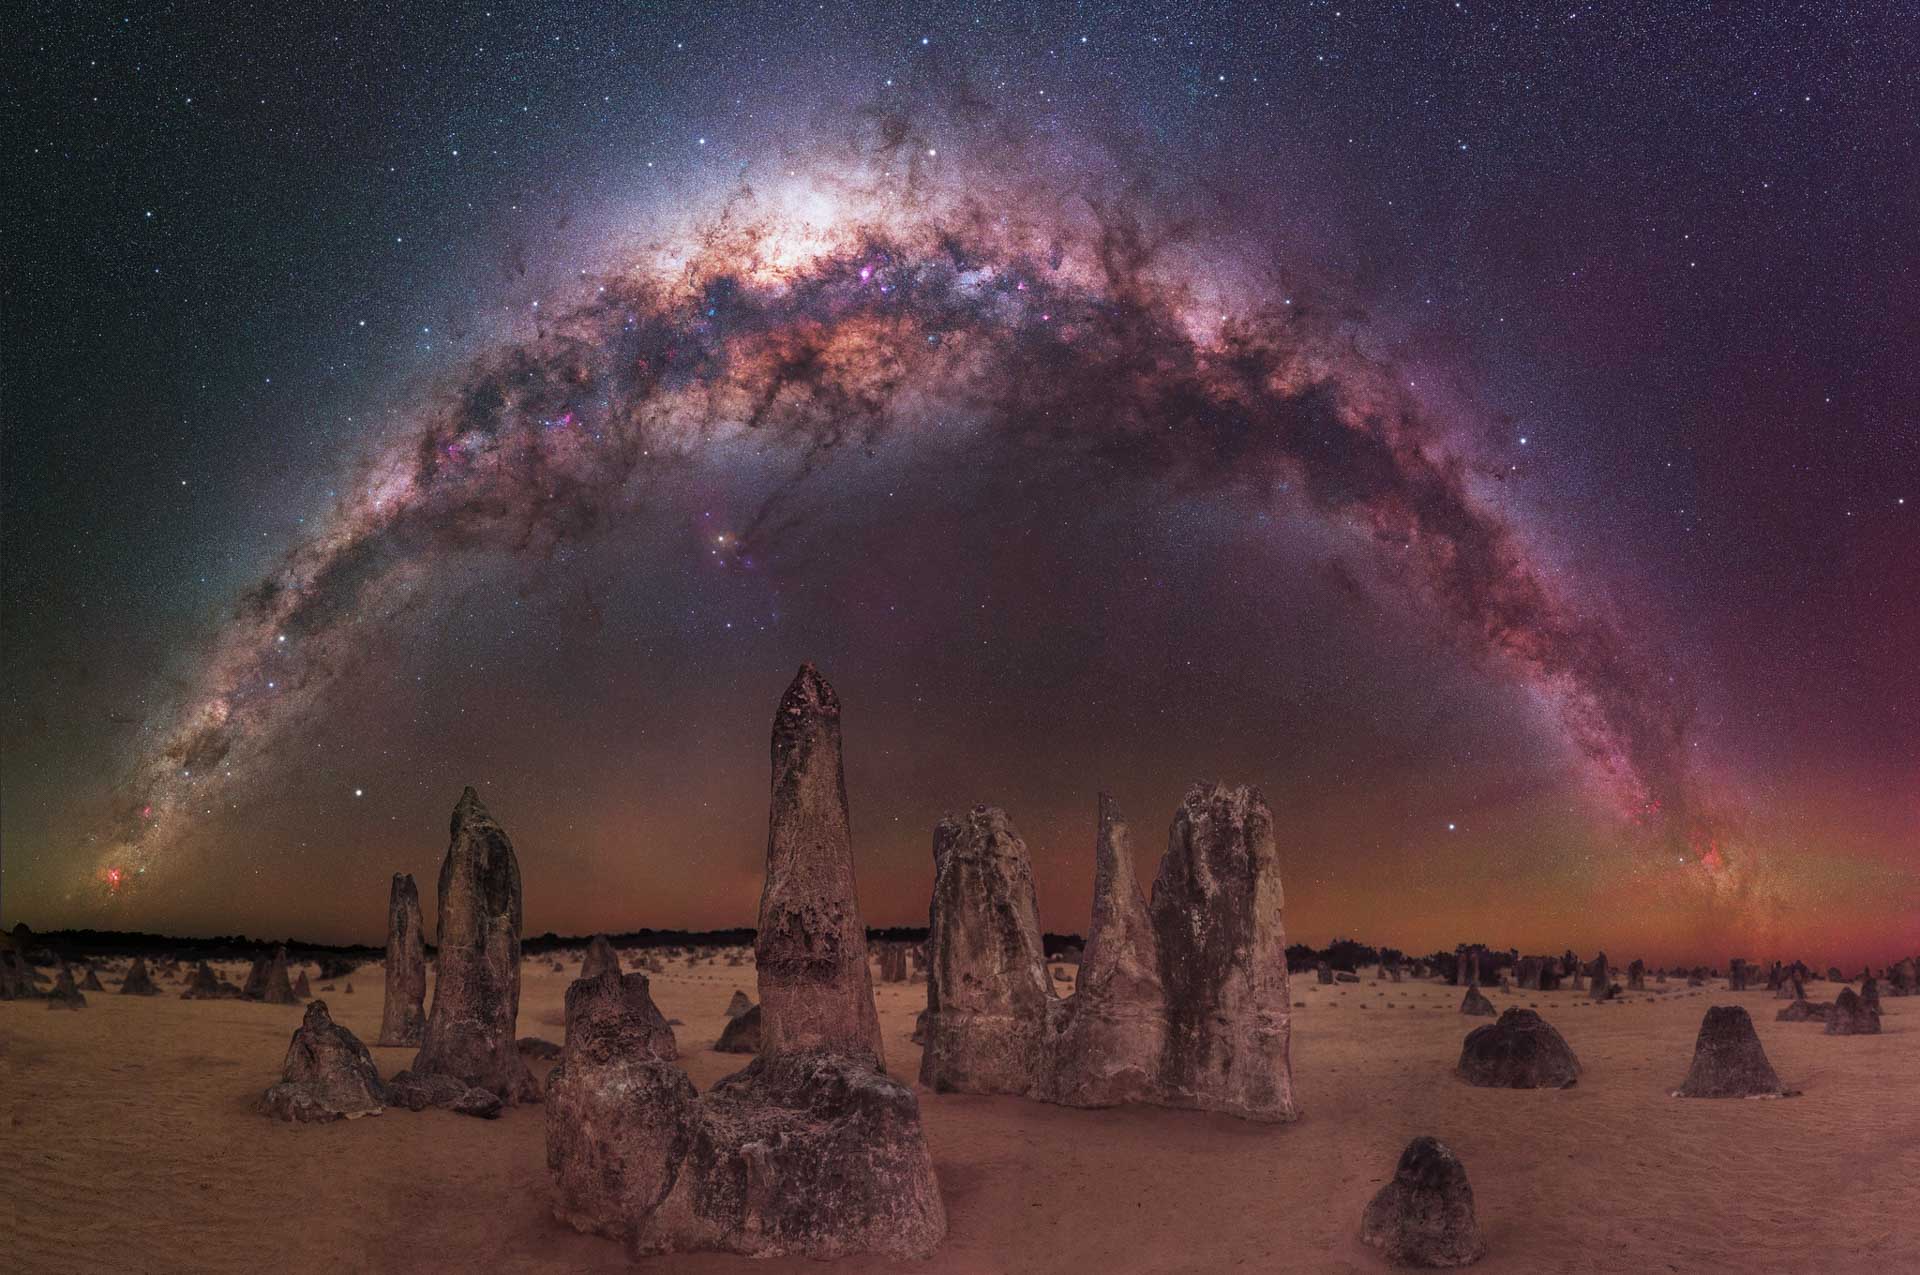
(135, 1147)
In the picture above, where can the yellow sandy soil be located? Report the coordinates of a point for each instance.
(132, 1145)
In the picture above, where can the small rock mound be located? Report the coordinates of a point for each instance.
(1474, 1003)
(138, 982)
(1728, 1061)
(64, 994)
(1804, 1011)
(329, 1075)
(91, 983)
(741, 1034)
(1521, 1051)
(205, 985)
(1424, 1217)
(739, 1005)
(1851, 1016)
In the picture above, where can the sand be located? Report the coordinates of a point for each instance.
(134, 1146)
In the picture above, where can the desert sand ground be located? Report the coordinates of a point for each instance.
(132, 1145)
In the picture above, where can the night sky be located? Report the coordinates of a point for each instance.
(1493, 432)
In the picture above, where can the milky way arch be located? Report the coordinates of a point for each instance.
(1073, 341)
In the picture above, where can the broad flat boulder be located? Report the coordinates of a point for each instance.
(1728, 1061)
(807, 1153)
(1424, 1216)
(1520, 1051)
(1804, 1011)
(403, 1017)
(1474, 1003)
(1113, 1030)
(810, 952)
(138, 982)
(600, 957)
(328, 1074)
(1851, 1016)
(988, 994)
(476, 1000)
(1223, 963)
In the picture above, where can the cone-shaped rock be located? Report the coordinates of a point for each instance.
(741, 1035)
(470, 1029)
(204, 985)
(272, 986)
(16, 977)
(64, 994)
(1115, 1026)
(1728, 1061)
(1637, 976)
(1424, 1217)
(91, 983)
(1521, 1051)
(811, 950)
(1223, 958)
(600, 957)
(302, 990)
(988, 993)
(1850, 1016)
(1870, 994)
(739, 1005)
(404, 1017)
(138, 982)
(328, 1074)
(1474, 1003)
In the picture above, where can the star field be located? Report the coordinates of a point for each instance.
(1629, 292)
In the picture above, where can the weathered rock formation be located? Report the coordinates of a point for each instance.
(1851, 1016)
(741, 1035)
(328, 1074)
(1324, 973)
(739, 1005)
(1803, 1011)
(1111, 1036)
(1182, 1002)
(1474, 1003)
(476, 1000)
(267, 980)
(18, 980)
(64, 994)
(988, 997)
(1424, 1216)
(91, 983)
(403, 1018)
(1637, 976)
(302, 990)
(1728, 1061)
(811, 949)
(1521, 1051)
(1870, 994)
(204, 985)
(812, 1150)
(600, 958)
(138, 982)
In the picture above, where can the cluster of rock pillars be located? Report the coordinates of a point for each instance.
(813, 1149)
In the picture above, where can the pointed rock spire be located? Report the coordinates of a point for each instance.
(404, 1017)
(816, 991)
(469, 1034)
(1223, 958)
(1115, 1024)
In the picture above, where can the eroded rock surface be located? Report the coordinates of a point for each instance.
(328, 1074)
(1424, 1216)
(469, 1033)
(403, 1018)
(1520, 1051)
(1728, 1061)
